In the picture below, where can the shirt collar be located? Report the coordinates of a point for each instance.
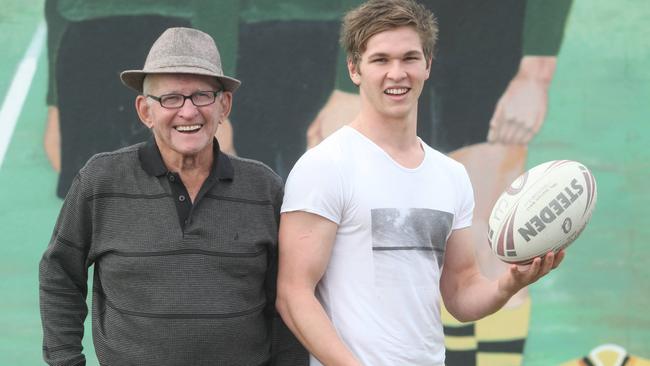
(153, 164)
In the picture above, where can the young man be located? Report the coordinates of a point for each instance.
(375, 223)
(183, 237)
(508, 96)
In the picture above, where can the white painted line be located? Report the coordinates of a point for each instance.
(18, 90)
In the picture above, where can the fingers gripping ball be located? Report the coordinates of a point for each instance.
(545, 209)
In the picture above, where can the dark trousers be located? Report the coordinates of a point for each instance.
(287, 70)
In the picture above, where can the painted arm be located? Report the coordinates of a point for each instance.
(52, 138)
(521, 110)
(468, 295)
(306, 242)
(340, 109)
(224, 135)
(56, 26)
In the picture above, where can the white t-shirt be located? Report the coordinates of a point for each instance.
(381, 286)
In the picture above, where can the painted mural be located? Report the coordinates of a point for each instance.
(513, 83)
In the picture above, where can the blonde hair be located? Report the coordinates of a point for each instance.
(376, 16)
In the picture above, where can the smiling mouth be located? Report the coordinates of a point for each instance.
(188, 128)
(396, 91)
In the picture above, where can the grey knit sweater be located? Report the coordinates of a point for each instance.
(166, 293)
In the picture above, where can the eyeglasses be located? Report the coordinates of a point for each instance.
(174, 101)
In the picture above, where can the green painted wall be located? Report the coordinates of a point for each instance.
(599, 111)
(599, 107)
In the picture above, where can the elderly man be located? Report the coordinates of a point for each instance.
(183, 238)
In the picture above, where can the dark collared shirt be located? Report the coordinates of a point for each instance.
(153, 164)
(166, 291)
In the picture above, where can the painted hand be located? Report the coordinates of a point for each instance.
(521, 110)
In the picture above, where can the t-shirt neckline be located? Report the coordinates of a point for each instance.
(387, 155)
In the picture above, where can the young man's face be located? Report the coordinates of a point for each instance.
(391, 72)
(188, 130)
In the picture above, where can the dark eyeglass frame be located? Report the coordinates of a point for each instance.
(191, 97)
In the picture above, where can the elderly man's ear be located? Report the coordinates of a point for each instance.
(226, 104)
(144, 111)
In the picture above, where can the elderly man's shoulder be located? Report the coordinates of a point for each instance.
(253, 171)
(108, 159)
(113, 164)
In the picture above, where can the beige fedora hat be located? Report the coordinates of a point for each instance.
(181, 51)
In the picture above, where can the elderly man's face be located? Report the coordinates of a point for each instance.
(188, 130)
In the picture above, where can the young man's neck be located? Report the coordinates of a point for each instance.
(397, 137)
(387, 132)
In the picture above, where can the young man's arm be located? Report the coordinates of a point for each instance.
(467, 294)
(285, 348)
(306, 242)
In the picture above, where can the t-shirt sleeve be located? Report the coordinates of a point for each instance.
(465, 206)
(315, 186)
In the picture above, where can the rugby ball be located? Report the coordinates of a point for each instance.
(545, 209)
